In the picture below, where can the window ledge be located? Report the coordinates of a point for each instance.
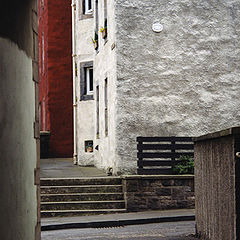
(86, 16)
(87, 97)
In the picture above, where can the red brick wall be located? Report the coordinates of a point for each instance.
(56, 84)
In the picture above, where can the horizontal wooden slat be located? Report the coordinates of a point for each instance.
(161, 139)
(163, 154)
(154, 171)
(150, 163)
(165, 146)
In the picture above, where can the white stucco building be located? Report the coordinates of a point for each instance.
(163, 68)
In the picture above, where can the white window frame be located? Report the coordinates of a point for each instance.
(88, 10)
(88, 91)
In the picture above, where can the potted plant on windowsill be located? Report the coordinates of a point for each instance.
(103, 30)
(95, 41)
(89, 149)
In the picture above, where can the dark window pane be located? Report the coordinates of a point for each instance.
(85, 81)
(91, 79)
(89, 4)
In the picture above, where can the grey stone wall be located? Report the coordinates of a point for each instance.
(158, 192)
(182, 81)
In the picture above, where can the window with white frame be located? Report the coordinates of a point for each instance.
(89, 80)
(86, 80)
(87, 7)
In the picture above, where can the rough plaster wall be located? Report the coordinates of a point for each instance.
(105, 66)
(85, 109)
(18, 203)
(182, 81)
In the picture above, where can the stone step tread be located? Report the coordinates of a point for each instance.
(81, 186)
(80, 194)
(80, 178)
(84, 210)
(83, 202)
(80, 181)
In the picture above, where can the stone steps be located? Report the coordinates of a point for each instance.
(83, 205)
(81, 196)
(72, 213)
(81, 181)
(81, 189)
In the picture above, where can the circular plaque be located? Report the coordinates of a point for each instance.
(157, 27)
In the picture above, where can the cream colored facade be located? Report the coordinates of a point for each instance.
(83, 52)
(182, 81)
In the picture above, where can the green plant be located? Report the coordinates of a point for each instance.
(185, 165)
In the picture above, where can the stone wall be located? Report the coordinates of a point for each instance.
(158, 192)
(183, 81)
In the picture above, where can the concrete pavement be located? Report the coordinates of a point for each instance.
(114, 220)
(64, 168)
(159, 231)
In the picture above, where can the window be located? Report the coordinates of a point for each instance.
(105, 19)
(87, 5)
(97, 112)
(106, 106)
(89, 146)
(86, 9)
(86, 81)
(88, 72)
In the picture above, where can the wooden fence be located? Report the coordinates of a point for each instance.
(159, 155)
(217, 185)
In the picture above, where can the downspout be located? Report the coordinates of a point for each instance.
(75, 154)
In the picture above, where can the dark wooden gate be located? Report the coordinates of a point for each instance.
(159, 155)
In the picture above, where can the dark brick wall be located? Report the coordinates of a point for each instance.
(56, 80)
(158, 192)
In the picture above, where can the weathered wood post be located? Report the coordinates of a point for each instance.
(217, 185)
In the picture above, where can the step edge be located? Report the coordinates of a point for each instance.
(81, 186)
(82, 202)
(85, 210)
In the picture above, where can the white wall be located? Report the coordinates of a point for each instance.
(85, 108)
(105, 67)
(183, 81)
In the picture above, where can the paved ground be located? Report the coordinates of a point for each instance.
(64, 168)
(161, 231)
(118, 217)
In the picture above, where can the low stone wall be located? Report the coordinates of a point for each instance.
(158, 192)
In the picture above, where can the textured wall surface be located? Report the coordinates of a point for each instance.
(18, 147)
(18, 201)
(182, 81)
(215, 186)
(158, 192)
(58, 80)
(105, 68)
(85, 108)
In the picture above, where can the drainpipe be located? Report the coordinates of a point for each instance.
(75, 154)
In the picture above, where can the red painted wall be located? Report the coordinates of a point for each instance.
(56, 80)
